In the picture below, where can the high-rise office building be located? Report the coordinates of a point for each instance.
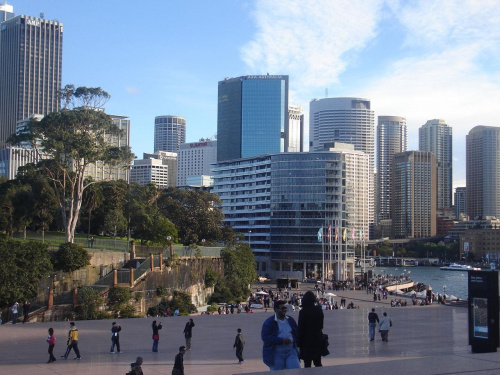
(170, 133)
(6, 11)
(436, 136)
(30, 70)
(346, 120)
(414, 179)
(460, 201)
(159, 168)
(195, 159)
(101, 171)
(391, 139)
(295, 134)
(252, 116)
(483, 172)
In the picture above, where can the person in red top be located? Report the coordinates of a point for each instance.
(51, 339)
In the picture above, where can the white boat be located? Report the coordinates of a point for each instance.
(459, 267)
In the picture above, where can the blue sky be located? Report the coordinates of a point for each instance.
(417, 59)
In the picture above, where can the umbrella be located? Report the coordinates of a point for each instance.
(262, 293)
(330, 295)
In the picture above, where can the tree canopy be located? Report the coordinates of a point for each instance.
(23, 265)
(67, 142)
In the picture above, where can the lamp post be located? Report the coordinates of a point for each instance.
(444, 291)
(169, 239)
(202, 242)
(249, 239)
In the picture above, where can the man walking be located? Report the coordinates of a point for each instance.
(384, 324)
(72, 342)
(179, 362)
(188, 333)
(372, 324)
(239, 344)
(115, 338)
(279, 334)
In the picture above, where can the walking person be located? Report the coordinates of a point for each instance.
(26, 311)
(372, 324)
(310, 338)
(72, 342)
(179, 362)
(51, 340)
(188, 333)
(115, 338)
(383, 326)
(135, 367)
(239, 344)
(15, 312)
(279, 335)
(156, 335)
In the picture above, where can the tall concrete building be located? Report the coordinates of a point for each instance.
(101, 171)
(195, 161)
(170, 133)
(414, 188)
(295, 134)
(460, 201)
(252, 116)
(436, 136)
(30, 70)
(483, 172)
(346, 120)
(392, 139)
(6, 11)
(159, 168)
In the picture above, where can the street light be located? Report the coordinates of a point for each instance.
(249, 239)
(444, 290)
(169, 239)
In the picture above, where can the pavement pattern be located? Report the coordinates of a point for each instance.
(423, 340)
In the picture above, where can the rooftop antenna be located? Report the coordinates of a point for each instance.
(326, 92)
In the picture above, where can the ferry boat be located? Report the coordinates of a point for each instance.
(459, 267)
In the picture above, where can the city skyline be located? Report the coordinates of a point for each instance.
(420, 60)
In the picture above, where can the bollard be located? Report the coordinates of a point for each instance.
(152, 261)
(131, 276)
(161, 261)
(115, 277)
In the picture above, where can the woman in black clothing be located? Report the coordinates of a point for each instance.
(310, 330)
(156, 335)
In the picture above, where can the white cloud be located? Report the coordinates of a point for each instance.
(133, 90)
(309, 40)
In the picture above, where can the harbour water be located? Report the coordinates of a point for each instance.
(454, 281)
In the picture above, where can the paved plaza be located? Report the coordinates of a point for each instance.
(423, 340)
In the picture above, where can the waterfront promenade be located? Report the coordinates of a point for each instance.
(424, 340)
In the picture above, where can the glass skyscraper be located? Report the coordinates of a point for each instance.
(30, 70)
(252, 116)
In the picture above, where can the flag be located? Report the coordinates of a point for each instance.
(344, 234)
(320, 234)
(336, 234)
(352, 233)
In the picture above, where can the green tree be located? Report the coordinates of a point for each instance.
(239, 273)
(197, 214)
(68, 141)
(90, 302)
(115, 222)
(91, 200)
(23, 265)
(71, 257)
(119, 302)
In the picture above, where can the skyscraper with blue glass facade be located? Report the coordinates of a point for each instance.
(252, 117)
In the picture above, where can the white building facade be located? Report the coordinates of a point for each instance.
(195, 161)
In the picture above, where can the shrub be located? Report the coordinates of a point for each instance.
(89, 304)
(161, 291)
(119, 299)
(210, 278)
(71, 257)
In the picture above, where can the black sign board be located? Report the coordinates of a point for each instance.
(483, 311)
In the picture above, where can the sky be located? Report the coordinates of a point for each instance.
(421, 60)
